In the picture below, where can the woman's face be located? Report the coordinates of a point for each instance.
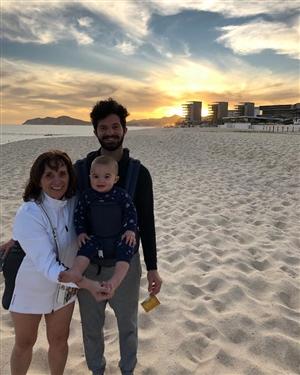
(55, 182)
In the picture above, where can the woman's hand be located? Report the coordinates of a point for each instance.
(69, 276)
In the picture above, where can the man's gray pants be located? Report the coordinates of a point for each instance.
(125, 306)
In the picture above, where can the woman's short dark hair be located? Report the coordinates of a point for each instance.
(52, 159)
(108, 107)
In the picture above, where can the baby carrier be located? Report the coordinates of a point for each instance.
(106, 217)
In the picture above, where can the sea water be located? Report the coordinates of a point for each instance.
(13, 133)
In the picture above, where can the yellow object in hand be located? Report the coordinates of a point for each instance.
(150, 303)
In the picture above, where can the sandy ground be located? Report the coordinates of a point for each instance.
(227, 218)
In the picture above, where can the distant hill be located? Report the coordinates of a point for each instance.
(159, 122)
(66, 120)
(61, 120)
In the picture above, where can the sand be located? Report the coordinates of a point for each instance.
(227, 216)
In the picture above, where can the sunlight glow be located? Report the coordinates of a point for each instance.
(204, 111)
(171, 111)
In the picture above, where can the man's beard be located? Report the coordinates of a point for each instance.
(113, 144)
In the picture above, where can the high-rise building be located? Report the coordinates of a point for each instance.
(285, 110)
(231, 112)
(192, 112)
(217, 111)
(244, 109)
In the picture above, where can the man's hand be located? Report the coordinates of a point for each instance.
(82, 238)
(129, 236)
(109, 288)
(99, 291)
(5, 248)
(154, 282)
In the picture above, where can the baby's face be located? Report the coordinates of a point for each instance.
(103, 178)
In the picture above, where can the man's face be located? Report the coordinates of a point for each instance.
(110, 132)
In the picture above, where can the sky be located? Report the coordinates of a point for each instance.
(61, 57)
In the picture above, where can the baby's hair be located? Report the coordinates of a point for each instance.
(105, 160)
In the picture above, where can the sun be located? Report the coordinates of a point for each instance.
(171, 111)
(176, 110)
(204, 111)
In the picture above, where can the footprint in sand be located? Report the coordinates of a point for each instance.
(260, 266)
(193, 290)
(289, 271)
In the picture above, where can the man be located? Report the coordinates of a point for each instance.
(109, 122)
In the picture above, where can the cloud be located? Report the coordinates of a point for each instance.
(229, 8)
(131, 16)
(42, 23)
(127, 48)
(235, 81)
(33, 90)
(85, 21)
(81, 37)
(47, 22)
(258, 35)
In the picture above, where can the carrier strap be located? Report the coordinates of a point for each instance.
(132, 176)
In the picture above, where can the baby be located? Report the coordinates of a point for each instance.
(103, 177)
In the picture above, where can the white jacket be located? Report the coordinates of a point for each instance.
(37, 279)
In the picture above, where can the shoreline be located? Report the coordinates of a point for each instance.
(199, 129)
(13, 133)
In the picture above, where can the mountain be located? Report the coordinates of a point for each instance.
(159, 122)
(66, 120)
(61, 120)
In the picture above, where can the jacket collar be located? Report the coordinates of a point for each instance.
(49, 202)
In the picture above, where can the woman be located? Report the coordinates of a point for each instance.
(44, 228)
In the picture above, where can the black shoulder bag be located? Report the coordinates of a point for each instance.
(11, 265)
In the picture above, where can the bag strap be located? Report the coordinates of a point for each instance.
(53, 231)
(132, 176)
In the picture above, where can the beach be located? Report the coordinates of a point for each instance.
(227, 221)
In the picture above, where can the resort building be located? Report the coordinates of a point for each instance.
(192, 112)
(244, 109)
(217, 111)
(287, 111)
(231, 113)
(259, 123)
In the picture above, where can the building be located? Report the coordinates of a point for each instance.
(217, 111)
(257, 111)
(259, 123)
(251, 120)
(244, 109)
(192, 112)
(285, 111)
(231, 113)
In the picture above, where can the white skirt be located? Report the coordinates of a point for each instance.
(33, 293)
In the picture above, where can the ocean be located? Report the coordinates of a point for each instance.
(13, 133)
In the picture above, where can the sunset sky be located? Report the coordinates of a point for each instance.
(60, 57)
